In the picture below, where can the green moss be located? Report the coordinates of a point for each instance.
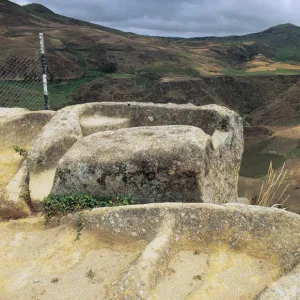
(169, 69)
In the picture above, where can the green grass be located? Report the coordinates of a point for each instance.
(76, 53)
(288, 53)
(21, 94)
(255, 163)
(12, 92)
(51, 50)
(59, 205)
(30, 96)
(98, 73)
(93, 73)
(60, 94)
(169, 69)
(294, 153)
(119, 75)
(234, 72)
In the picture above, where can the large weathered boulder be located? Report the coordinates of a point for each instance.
(48, 147)
(285, 288)
(92, 124)
(199, 251)
(152, 164)
(154, 251)
(18, 127)
(213, 176)
(223, 125)
(13, 200)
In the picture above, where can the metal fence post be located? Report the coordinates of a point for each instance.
(44, 70)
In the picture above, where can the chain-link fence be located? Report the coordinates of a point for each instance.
(21, 80)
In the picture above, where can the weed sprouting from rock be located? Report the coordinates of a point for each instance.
(54, 280)
(197, 252)
(197, 277)
(21, 151)
(59, 205)
(90, 274)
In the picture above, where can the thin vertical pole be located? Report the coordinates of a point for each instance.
(44, 71)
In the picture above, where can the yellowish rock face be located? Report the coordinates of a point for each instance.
(9, 165)
(232, 274)
(44, 262)
(51, 263)
(163, 251)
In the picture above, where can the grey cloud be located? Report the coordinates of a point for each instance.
(181, 17)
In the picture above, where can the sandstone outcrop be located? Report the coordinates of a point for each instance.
(18, 126)
(155, 251)
(150, 164)
(156, 152)
(54, 140)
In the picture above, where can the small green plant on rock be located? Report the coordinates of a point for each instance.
(20, 151)
(59, 205)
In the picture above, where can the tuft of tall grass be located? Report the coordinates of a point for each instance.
(272, 190)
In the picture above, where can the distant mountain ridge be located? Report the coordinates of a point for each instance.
(273, 51)
(84, 52)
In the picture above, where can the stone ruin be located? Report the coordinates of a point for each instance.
(212, 249)
(154, 153)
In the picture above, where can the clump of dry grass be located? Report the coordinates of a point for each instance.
(272, 190)
(55, 280)
(90, 274)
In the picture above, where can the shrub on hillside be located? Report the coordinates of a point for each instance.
(109, 67)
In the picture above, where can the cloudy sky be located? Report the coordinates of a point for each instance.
(184, 18)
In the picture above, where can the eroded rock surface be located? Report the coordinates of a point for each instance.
(17, 127)
(154, 251)
(285, 288)
(49, 146)
(150, 164)
(199, 165)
